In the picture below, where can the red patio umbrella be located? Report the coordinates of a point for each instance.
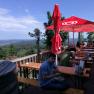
(56, 40)
(75, 24)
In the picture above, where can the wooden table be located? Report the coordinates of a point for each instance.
(71, 71)
(34, 67)
(90, 51)
(31, 65)
(87, 49)
(62, 69)
(66, 70)
(77, 78)
(83, 59)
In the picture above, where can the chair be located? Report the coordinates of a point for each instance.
(64, 59)
(89, 85)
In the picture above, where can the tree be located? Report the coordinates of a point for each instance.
(48, 33)
(30, 51)
(90, 36)
(36, 34)
(12, 50)
(22, 52)
(2, 54)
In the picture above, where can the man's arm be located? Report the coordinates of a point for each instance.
(45, 77)
(54, 73)
(47, 74)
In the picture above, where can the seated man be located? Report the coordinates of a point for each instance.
(48, 76)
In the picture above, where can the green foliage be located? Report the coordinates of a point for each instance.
(64, 36)
(49, 18)
(21, 53)
(12, 50)
(49, 35)
(2, 53)
(90, 36)
(21, 49)
(24, 51)
(30, 51)
(37, 34)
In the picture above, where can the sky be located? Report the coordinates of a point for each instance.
(18, 17)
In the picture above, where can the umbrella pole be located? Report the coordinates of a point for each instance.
(73, 40)
(68, 39)
(56, 60)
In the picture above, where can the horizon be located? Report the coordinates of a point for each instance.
(24, 39)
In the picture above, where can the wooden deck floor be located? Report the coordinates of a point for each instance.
(37, 90)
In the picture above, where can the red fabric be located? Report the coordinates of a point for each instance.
(73, 20)
(77, 24)
(56, 12)
(56, 44)
(78, 28)
(56, 40)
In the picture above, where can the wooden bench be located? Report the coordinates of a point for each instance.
(73, 91)
(34, 82)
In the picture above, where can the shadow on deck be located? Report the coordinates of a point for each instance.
(36, 90)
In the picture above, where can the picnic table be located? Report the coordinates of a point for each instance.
(31, 65)
(71, 71)
(30, 68)
(62, 69)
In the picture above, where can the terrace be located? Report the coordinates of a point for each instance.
(28, 68)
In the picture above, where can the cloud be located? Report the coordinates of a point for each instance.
(4, 11)
(12, 23)
(27, 10)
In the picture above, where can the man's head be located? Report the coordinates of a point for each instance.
(51, 58)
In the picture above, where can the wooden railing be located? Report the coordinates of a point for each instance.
(31, 58)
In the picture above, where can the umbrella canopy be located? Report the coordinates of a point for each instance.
(75, 24)
(56, 40)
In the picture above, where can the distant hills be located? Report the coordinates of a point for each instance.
(8, 42)
(24, 42)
